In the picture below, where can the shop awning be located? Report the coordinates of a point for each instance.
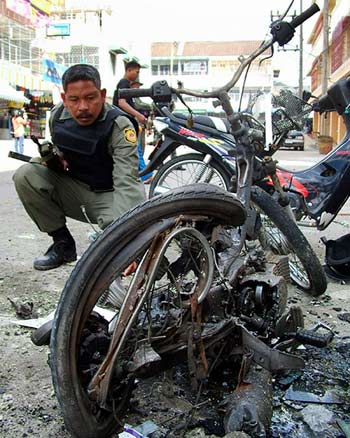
(118, 51)
(10, 94)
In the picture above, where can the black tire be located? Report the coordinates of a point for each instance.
(306, 270)
(106, 258)
(184, 170)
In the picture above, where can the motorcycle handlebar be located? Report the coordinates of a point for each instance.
(283, 31)
(309, 12)
(126, 93)
(160, 92)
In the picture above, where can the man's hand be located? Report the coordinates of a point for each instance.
(141, 119)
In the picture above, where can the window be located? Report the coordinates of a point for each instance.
(199, 67)
(81, 54)
(164, 69)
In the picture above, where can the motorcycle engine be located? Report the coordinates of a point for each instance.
(261, 297)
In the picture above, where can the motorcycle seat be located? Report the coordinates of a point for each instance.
(201, 122)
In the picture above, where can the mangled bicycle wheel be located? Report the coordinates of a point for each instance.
(100, 346)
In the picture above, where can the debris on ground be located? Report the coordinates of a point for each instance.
(28, 406)
(344, 316)
(318, 418)
(329, 397)
(23, 310)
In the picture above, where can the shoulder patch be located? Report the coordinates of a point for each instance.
(130, 135)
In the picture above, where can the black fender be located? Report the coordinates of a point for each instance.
(171, 142)
(159, 154)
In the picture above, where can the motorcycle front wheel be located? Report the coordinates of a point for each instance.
(169, 239)
(282, 235)
(188, 169)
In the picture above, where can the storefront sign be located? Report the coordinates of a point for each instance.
(37, 11)
(40, 11)
(20, 7)
(195, 67)
(52, 72)
(58, 29)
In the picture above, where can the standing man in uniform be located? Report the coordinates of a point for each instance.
(94, 174)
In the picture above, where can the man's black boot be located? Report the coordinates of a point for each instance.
(57, 254)
(62, 251)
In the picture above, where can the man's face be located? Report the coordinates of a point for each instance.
(133, 73)
(84, 101)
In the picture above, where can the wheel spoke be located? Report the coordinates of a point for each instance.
(187, 172)
(279, 244)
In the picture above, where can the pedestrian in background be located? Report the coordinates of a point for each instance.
(18, 124)
(144, 108)
(132, 71)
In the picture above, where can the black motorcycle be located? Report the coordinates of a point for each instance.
(318, 192)
(208, 143)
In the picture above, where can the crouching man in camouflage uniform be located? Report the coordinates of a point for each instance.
(93, 167)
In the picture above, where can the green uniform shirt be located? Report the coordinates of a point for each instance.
(122, 146)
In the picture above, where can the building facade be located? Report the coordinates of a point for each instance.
(21, 63)
(331, 59)
(36, 50)
(206, 65)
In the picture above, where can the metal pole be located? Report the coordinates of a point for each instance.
(324, 79)
(301, 51)
(171, 61)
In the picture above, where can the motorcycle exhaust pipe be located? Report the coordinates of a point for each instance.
(250, 406)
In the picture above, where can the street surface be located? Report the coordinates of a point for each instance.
(28, 406)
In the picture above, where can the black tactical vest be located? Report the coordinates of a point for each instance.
(85, 148)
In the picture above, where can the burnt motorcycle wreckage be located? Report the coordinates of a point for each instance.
(186, 308)
(206, 299)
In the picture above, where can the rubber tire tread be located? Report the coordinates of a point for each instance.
(197, 158)
(296, 239)
(199, 199)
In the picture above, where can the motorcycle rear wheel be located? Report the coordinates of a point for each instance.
(125, 240)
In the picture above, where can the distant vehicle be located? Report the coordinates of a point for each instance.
(295, 140)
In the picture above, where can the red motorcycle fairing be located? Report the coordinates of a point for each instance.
(290, 182)
(325, 187)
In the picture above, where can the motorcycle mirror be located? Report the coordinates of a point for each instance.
(306, 95)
